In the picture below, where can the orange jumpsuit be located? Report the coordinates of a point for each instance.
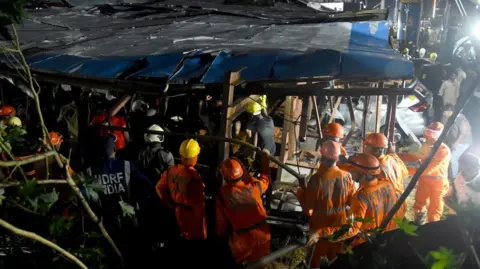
(372, 201)
(394, 170)
(181, 187)
(433, 183)
(240, 209)
(326, 198)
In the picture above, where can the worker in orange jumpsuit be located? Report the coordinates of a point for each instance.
(240, 208)
(325, 200)
(182, 188)
(392, 167)
(116, 121)
(335, 132)
(6, 112)
(433, 183)
(373, 200)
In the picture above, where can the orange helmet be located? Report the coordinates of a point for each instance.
(7, 111)
(333, 129)
(433, 131)
(365, 163)
(231, 169)
(330, 150)
(376, 140)
(55, 138)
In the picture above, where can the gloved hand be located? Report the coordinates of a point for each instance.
(391, 148)
(313, 238)
(342, 159)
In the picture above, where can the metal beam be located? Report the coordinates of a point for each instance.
(304, 118)
(161, 87)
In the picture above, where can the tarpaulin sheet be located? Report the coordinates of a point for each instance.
(204, 48)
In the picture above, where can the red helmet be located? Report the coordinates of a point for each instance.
(333, 129)
(433, 131)
(7, 111)
(56, 138)
(365, 163)
(376, 140)
(330, 150)
(231, 169)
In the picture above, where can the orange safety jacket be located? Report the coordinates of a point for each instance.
(327, 197)
(240, 206)
(394, 170)
(436, 169)
(371, 202)
(181, 187)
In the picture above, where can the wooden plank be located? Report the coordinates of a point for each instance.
(302, 164)
(293, 130)
(335, 109)
(284, 138)
(226, 123)
(305, 117)
(378, 115)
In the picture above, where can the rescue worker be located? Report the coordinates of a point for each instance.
(433, 57)
(122, 183)
(466, 186)
(240, 208)
(433, 183)
(262, 124)
(325, 200)
(14, 121)
(154, 159)
(6, 112)
(373, 200)
(335, 132)
(54, 171)
(160, 220)
(458, 139)
(117, 121)
(181, 187)
(391, 166)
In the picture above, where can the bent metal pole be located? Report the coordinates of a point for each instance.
(210, 138)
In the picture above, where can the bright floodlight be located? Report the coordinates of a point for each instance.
(476, 30)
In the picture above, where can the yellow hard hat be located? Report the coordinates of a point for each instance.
(189, 148)
(257, 106)
(14, 121)
(433, 56)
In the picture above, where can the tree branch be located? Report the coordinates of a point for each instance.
(92, 214)
(39, 182)
(42, 240)
(35, 158)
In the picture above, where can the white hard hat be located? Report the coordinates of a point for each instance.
(151, 138)
(422, 52)
(139, 106)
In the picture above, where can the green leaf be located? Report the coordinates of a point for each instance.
(406, 226)
(441, 264)
(127, 209)
(1, 199)
(33, 203)
(437, 255)
(92, 189)
(364, 220)
(49, 198)
(444, 258)
(60, 226)
(27, 188)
